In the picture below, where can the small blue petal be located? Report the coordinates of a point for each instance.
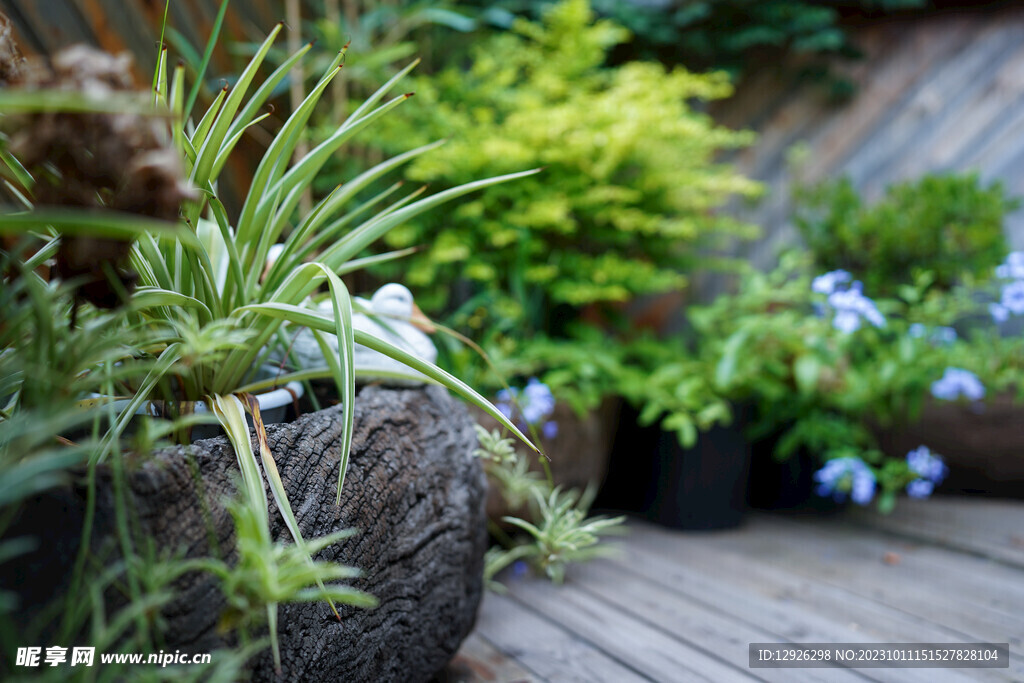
(920, 488)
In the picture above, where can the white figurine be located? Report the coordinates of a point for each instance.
(393, 312)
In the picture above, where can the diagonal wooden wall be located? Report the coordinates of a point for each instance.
(46, 26)
(937, 93)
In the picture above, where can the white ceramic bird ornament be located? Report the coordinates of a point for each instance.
(394, 314)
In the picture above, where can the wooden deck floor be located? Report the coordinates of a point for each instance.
(683, 606)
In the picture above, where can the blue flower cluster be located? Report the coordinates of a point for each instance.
(957, 382)
(842, 477)
(930, 470)
(529, 407)
(848, 301)
(1012, 298)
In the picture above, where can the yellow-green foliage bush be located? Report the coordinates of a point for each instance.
(630, 184)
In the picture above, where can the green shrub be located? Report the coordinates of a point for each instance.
(629, 188)
(781, 347)
(949, 225)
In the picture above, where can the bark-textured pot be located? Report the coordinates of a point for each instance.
(413, 490)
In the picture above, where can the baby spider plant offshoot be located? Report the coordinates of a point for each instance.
(558, 531)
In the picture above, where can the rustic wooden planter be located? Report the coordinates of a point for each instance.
(983, 444)
(413, 490)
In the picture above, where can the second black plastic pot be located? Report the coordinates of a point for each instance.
(651, 474)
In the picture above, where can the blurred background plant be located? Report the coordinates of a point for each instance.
(734, 35)
(948, 225)
(538, 273)
(825, 367)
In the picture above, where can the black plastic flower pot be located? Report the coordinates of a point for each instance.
(785, 485)
(698, 488)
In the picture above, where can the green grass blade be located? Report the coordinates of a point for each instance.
(375, 260)
(303, 172)
(201, 174)
(368, 233)
(163, 29)
(214, 35)
(96, 223)
(255, 213)
(31, 101)
(377, 96)
(277, 490)
(225, 150)
(160, 87)
(23, 176)
(264, 91)
(152, 297)
(202, 130)
(231, 415)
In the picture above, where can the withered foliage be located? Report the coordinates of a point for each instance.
(11, 61)
(120, 161)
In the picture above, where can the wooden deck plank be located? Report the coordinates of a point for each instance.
(917, 580)
(794, 608)
(548, 651)
(790, 607)
(989, 528)
(677, 606)
(639, 594)
(478, 661)
(650, 651)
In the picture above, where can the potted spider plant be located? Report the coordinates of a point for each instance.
(212, 310)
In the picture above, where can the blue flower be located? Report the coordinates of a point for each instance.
(1013, 297)
(920, 488)
(537, 401)
(550, 429)
(846, 321)
(916, 330)
(827, 283)
(1013, 267)
(532, 404)
(842, 477)
(1000, 313)
(956, 382)
(927, 465)
(850, 306)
